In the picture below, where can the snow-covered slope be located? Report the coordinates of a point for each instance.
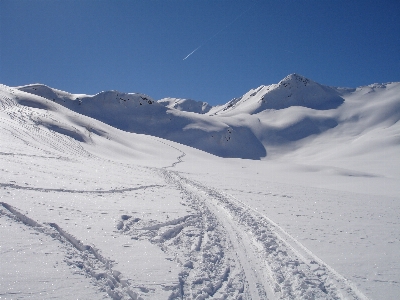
(89, 210)
(293, 90)
(264, 121)
(367, 137)
(48, 126)
(141, 114)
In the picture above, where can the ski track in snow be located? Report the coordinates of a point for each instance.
(86, 259)
(273, 265)
(273, 258)
(197, 244)
(123, 190)
(307, 256)
(178, 159)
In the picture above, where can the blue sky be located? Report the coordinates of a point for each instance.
(139, 46)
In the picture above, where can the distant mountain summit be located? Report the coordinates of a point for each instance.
(293, 90)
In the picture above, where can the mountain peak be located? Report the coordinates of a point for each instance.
(293, 90)
(294, 79)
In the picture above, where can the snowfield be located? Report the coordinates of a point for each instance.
(288, 192)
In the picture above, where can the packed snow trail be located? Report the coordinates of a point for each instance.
(272, 264)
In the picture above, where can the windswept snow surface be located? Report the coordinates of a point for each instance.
(90, 211)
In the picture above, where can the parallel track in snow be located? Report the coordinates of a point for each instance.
(274, 264)
(347, 287)
(201, 246)
(86, 259)
(76, 191)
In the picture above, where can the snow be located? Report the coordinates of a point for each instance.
(293, 90)
(119, 196)
(186, 105)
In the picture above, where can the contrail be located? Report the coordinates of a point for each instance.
(229, 24)
(192, 52)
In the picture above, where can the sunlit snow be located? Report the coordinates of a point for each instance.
(288, 192)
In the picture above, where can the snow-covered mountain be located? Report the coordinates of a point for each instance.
(264, 121)
(107, 197)
(293, 90)
(141, 114)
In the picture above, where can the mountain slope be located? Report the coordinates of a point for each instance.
(47, 126)
(293, 90)
(140, 114)
(270, 120)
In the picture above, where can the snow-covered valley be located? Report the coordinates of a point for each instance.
(288, 192)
